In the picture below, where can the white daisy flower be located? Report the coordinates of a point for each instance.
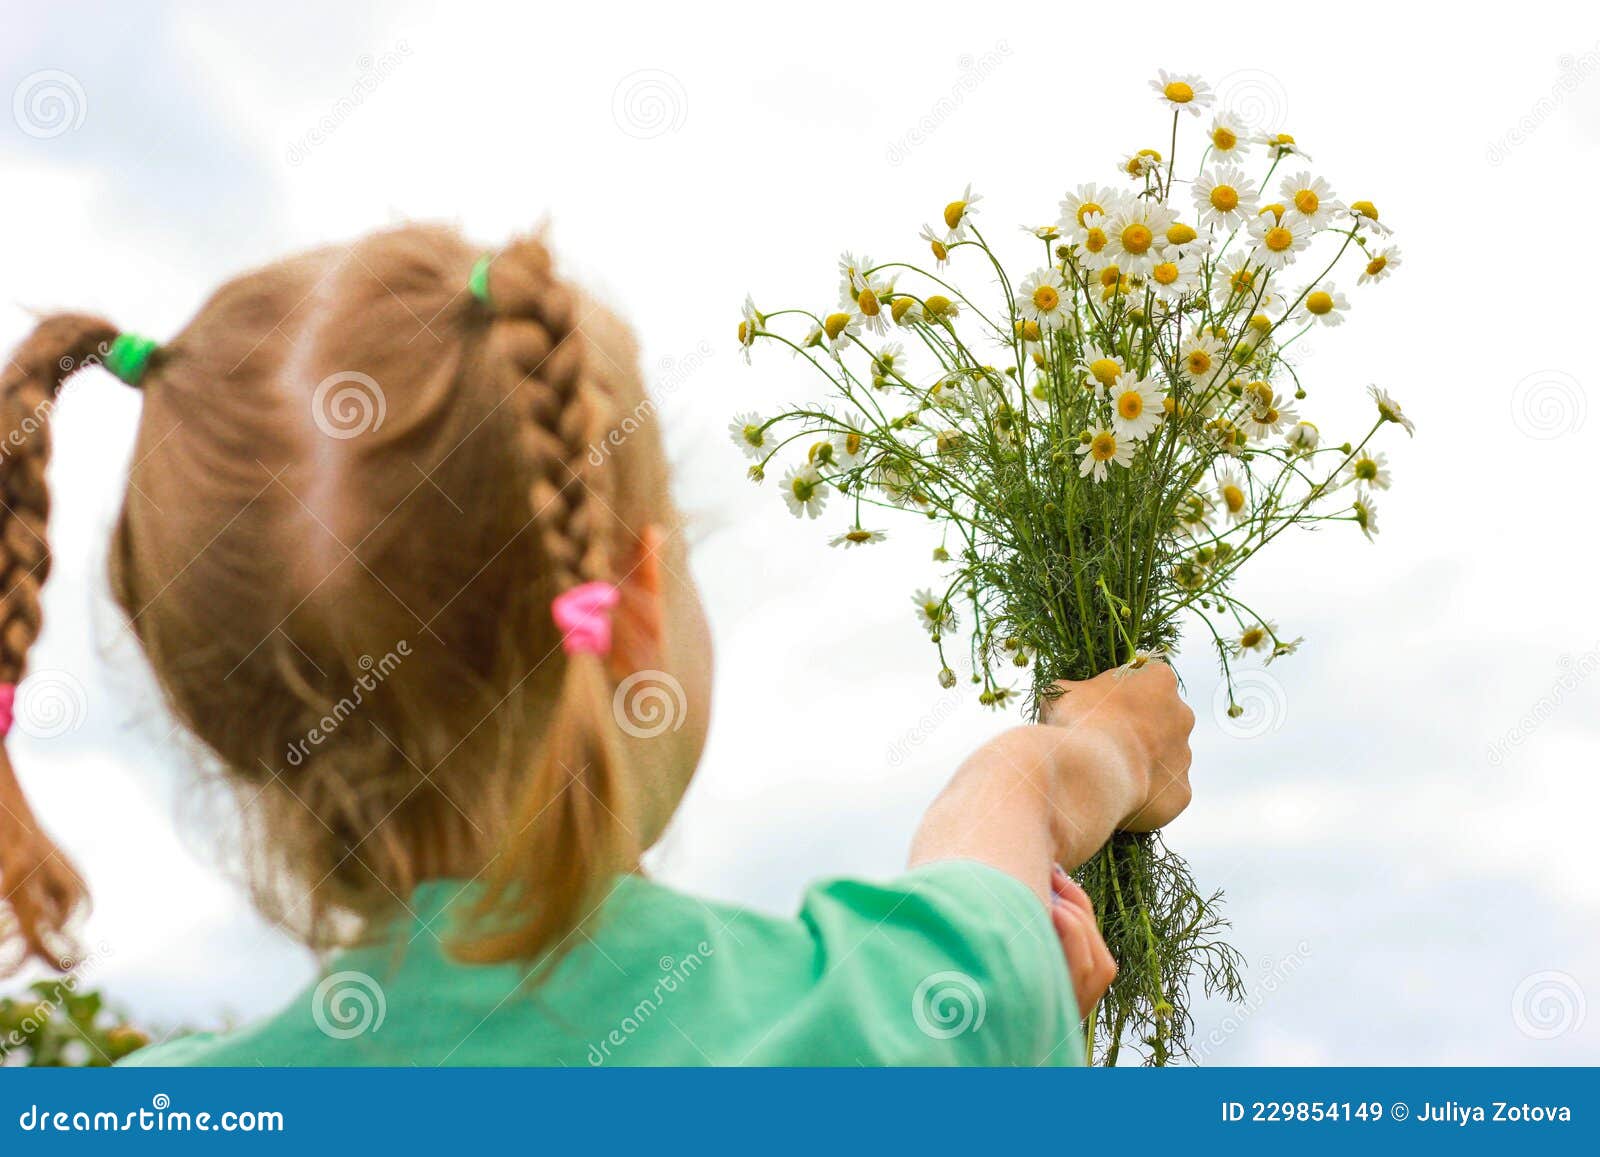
(1105, 368)
(1277, 241)
(1237, 282)
(907, 310)
(1390, 410)
(846, 448)
(941, 252)
(957, 214)
(1102, 449)
(863, 292)
(1268, 416)
(1078, 204)
(888, 361)
(1042, 298)
(840, 329)
(1280, 145)
(1231, 497)
(856, 536)
(804, 491)
(747, 434)
(1302, 437)
(1365, 213)
(1366, 514)
(853, 272)
(1183, 238)
(934, 613)
(1173, 276)
(1255, 638)
(1183, 91)
(1285, 647)
(1324, 304)
(1136, 407)
(1194, 515)
(1043, 232)
(1092, 241)
(1380, 265)
(1311, 198)
(1136, 232)
(1370, 469)
(1200, 356)
(1141, 164)
(1229, 136)
(1224, 197)
(749, 327)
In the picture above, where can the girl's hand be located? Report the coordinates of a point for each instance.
(1089, 961)
(1140, 710)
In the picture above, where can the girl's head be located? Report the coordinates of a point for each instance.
(361, 478)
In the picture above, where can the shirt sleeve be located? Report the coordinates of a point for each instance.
(953, 963)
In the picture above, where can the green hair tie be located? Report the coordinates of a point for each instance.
(478, 283)
(129, 357)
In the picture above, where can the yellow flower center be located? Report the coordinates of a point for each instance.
(1261, 323)
(868, 301)
(1224, 198)
(953, 213)
(1085, 209)
(1136, 238)
(852, 442)
(1365, 208)
(1028, 330)
(858, 536)
(820, 452)
(1045, 298)
(1198, 362)
(1251, 639)
(1103, 447)
(1130, 405)
(1242, 280)
(1223, 139)
(1178, 92)
(1233, 498)
(1110, 277)
(1105, 370)
(1306, 201)
(1319, 303)
(1165, 274)
(939, 250)
(938, 305)
(1180, 234)
(1283, 139)
(803, 487)
(1278, 239)
(752, 434)
(1366, 469)
(1376, 265)
(833, 325)
(900, 308)
(745, 332)
(1275, 209)
(1096, 240)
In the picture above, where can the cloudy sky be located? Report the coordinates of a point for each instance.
(1406, 841)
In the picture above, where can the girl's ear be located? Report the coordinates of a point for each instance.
(639, 621)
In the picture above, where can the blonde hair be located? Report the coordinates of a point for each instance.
(356, 489)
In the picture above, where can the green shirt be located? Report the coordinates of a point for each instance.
(953, 963)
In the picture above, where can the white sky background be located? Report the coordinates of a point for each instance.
(1414, 883)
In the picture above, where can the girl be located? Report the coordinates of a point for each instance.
(382, 574)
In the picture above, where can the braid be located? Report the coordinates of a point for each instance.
(41, 890)
(570, 830)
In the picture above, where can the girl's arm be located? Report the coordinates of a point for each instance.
(1112, 754)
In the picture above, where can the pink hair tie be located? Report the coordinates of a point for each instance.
(584, 616)
(8, 701)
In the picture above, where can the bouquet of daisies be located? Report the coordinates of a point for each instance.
(1103, 440)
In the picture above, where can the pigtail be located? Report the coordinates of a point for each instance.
(571, 830)
(39, 889)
